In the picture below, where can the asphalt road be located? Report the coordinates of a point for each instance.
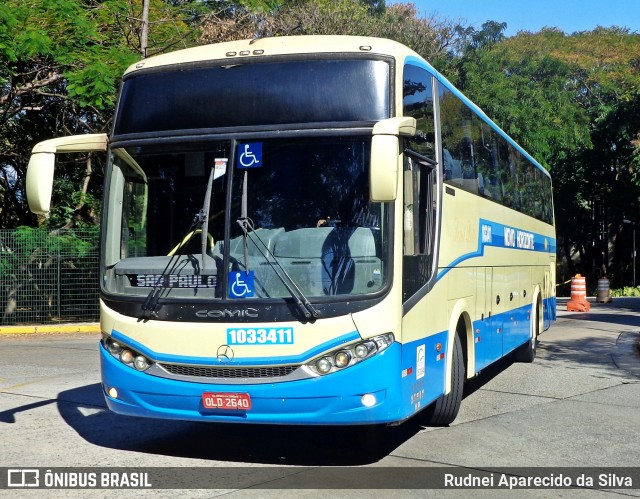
(577, 406)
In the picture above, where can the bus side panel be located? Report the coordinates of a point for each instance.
(487, 339)
(517, 296)
(510, 252)
(423, 372)
(424, 351)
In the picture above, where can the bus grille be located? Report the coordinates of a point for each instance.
(228, 372)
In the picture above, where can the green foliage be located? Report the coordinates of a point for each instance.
(400, 22)
(27, 245)
(626, 291)
(572, 101)
(36, 265)
(60, 66)
(62, 37)
(528, 94)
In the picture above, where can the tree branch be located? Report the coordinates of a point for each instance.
(29, 87)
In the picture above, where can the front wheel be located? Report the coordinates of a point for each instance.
(445, 409)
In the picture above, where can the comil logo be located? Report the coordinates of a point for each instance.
(23, 478)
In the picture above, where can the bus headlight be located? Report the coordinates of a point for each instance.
(141, 363)
(342, 358)
(114, 347)
(128, 356)
(348, 356)
(324, 365)
(361, 351)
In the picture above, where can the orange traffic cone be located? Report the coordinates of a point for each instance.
(578, 302)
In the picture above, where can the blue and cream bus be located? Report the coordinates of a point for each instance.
(309, 230)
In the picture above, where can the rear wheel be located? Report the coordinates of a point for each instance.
(445, 409)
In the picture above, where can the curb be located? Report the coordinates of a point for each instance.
(51, 329)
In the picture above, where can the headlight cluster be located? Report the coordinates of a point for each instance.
(125, 354)
(350, 355)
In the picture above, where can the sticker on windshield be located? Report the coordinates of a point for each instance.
(220, 167)
(241, 284)
(249, 155)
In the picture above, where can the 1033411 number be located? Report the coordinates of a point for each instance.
(260, 336)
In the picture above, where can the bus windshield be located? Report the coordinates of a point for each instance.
(299, 216)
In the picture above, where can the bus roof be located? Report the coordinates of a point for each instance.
(284, 45)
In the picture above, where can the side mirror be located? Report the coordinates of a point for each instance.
(385, 155)
(39, 182)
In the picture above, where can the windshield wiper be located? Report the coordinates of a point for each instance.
(303, 303)
(201, 219)
(249, 232)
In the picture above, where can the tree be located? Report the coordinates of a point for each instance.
(60, 65)
(572, 101)
(401, 22)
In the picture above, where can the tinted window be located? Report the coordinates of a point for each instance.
(308, 201)
(417, 102)
(480, 160)
(267, 93)
(304, 207)
(419, 223)
(457, 141)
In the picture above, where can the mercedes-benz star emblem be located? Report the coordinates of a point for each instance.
(225, 354)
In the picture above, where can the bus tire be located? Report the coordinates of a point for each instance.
(445, 409)
(527, 352)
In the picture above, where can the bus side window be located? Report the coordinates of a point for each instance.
(417, 102)
(419, 223)
(457, 142)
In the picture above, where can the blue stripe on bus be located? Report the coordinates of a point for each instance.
(238, 361)
(497, 235)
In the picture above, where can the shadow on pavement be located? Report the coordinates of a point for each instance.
(624, 311)
(84, 410)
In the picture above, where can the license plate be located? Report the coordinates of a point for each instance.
(227, 401)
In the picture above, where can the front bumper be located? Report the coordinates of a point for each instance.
(332, 399)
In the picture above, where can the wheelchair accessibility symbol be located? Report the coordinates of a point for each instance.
(241, 284)
(250, 155)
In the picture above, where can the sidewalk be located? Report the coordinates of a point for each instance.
(625, 302)
(624, 312)
(86, 327)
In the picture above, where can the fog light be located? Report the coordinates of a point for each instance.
(126, 356)
(324, 365)
(368, 400)
(141, 363)
(113, 393)
(342, 359)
